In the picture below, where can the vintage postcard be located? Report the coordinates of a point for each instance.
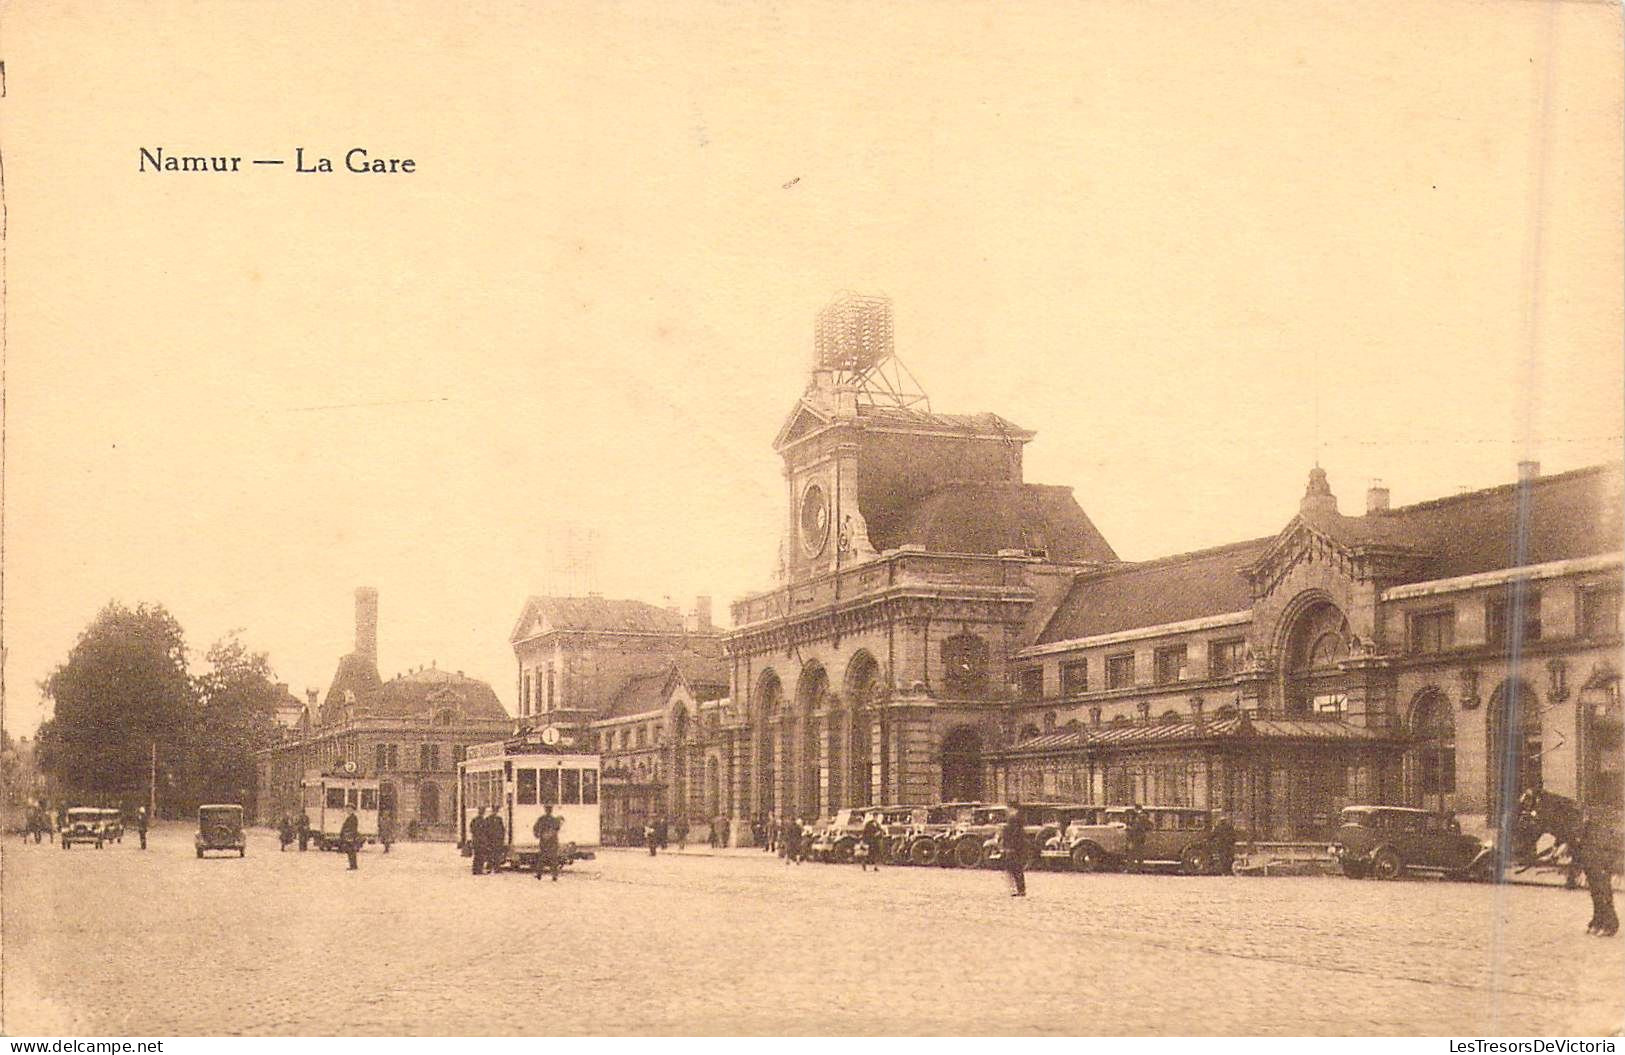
(897, 519)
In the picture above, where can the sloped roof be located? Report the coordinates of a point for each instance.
(425, 691)
(599, 613)
(1144, 734)
(986, 516)
(1150, 593)
(706, 677)
(984, 424)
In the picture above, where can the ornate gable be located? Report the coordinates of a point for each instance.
(803, 421)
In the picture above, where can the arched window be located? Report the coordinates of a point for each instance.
(962, 765)
(1514, 744)
(429, 802)
(1317, 643)
(1434, 728)
(1049, 721)
(1169, 717)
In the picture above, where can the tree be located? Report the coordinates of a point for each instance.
(238, 699)
(123, 688)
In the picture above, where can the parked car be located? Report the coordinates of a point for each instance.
(1176, 836)
(220, 827)
(927, 839)
(113, 826)
(83, 825)
(837, 840)
(1385, 842)
(896, 822)
(1043, 822)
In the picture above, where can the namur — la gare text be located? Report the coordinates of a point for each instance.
(356, 159)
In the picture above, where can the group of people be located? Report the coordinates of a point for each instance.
(350, 838)
(488, 839)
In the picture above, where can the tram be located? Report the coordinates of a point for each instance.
(519, 778)
(327, 799)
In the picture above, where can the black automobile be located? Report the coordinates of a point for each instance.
(1385, 842)
(220, 827)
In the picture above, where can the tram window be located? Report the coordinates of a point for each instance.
(549, 785)
(335, 798)
(572, 787)
(526, 794)
(369, 798)
(589, 787)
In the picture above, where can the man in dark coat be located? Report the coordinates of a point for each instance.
(873, 836)
(304, 830)
(1224, 845)
(284, 832)
(350, 836)
(496, 846)
(547, 842)
(1596, 852)
(663, 832)
(386, 829)
(476, 840)
(1138, 824)
(1013, 852)
(141, 825)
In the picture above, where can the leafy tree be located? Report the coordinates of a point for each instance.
(123, 688)
(238, 698)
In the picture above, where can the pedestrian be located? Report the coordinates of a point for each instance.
(350, 837)
(284, 831)
(141, 825)
(476, 840)
(496, 847)
(547, 842)
(681, 828)
(1013, 851)
(872, 837)
(1224, 845)
(386, 829)
(792, 841)
(304, 830)
(1138, 824)
(1596, 852)
(649, 839)
(663, 833)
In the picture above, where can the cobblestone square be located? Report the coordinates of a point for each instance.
(159, 943)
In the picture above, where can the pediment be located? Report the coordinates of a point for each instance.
(803, 420)
(1300, 542)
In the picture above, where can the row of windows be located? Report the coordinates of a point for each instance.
(1434, 630)
(1170, 665)
(536, 694)
(388, 756)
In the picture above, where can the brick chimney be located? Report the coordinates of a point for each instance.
(702, 614)
(1528, 470)
(311, 696)
(1376, 498)
(366, 622)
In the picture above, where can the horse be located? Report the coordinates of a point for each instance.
(1541, 813)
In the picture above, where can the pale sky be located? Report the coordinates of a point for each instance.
(1161, 235)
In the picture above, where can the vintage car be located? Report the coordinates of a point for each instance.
(927, 841)
(1175, 836)
(220, 827)
(113, 825)
(838, 840)
(84, 824)
(1385, 842)
(896, 824)
(1043, 822)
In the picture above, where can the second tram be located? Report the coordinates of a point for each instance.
(519, 778)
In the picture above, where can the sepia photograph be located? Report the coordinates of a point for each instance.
(870, 520)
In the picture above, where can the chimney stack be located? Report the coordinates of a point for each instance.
(702, 614)
(366, 622)
(311, 696)
(281, 691)
(1528, 470)
(1376, 498)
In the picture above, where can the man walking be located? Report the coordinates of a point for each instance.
(1013, 851)
(547, 842)
(141, 825)
(476, 840)
(284, 832)
(1595, 854)
(872, 838)
(649, 839)
(1138, 824)
(1224, 845)
(304, 830)
(350, 836)
(496, 846)
(386, 829)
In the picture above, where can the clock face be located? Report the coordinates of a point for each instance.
(814, 519)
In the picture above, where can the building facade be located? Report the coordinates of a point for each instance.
(408, 732)
(1448, 654)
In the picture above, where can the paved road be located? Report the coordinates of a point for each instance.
(118, 941)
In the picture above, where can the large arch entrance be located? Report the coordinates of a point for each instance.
(1312, 682)
(962, 764)
(863, 690)
(1514, 745)
(811, 689)
(769, 716)
(1430, 763)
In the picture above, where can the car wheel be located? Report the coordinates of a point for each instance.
(98, 844)
(1086, 857)
(923, 852)
(200, 853)
(967, 853)
(1386, 865)
(242, 851)
(1195, 861)
(1354, 870)
(1482, 871)
(66, 844)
